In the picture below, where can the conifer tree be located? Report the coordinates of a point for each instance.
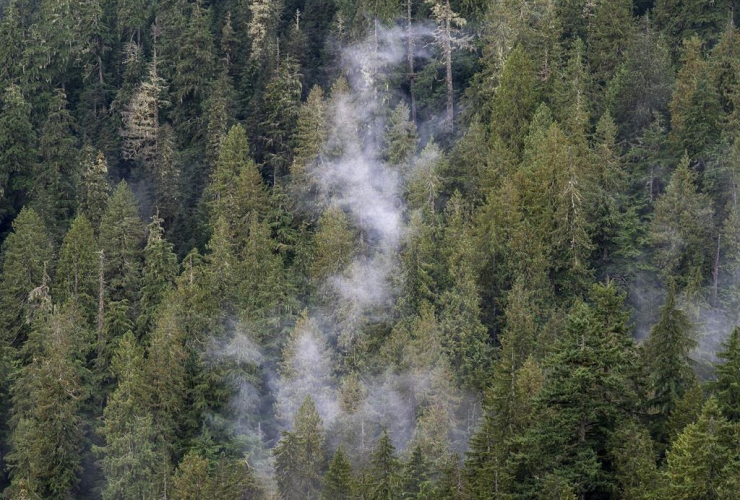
(401, 137)
(609, 33)
(236, 188)
(516, 99)
(669, 348)
(300, 457)
(121, 238)
(48, 401)
(727, 385)
(308, 140)
(158, 274)
(465, 337)
(191, 478)
(334, 244)
(128, 455)
(58, 176)
(682, 228)
(77, 269)
(27, 258)
(338, 479)
(280, 114)
(17, 152)
(95, 190)
(385, 471)
(703, 461)
(633, 455)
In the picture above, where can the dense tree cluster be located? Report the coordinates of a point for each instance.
(563, 320)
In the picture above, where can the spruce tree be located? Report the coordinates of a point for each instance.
(128, 456)
(77, 269)
(48, 397)
(727, 385)
(385, 471)
(669, 349)
(158, 274)
(27, 260)
(338, 479)
(704, 461)
(121, 238)
(95, 190)
(17, 152)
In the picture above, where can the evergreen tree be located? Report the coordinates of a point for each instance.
(308, 140)
(121, 237)
(727, 385)
(338, 479)
(58, 176)
(77, 269)
(236, 188)
(682, 229)
(299, 456)
(191, 479)
(128, 455)
(95, 190)
(17, 152)
(668, 348)
(703, 462)
(385, 471)
(48, 400)
(401, 137)
(27, 259)
(159, 270)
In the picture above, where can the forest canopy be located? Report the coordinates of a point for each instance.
(369, 250)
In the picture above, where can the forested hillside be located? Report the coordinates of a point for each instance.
(369, 249)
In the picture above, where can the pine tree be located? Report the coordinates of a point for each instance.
(17, 152)
(610, 31)
(95, 190)
(448, 37)
(400, 137)
(668, 348)
(385, 471)
(338, 479)
(334, 244)
(76, 278)
(166, 368)
(48, 401)
(587, 393)
(27, 258)
(465, 337)
(194, 65)
(727, 385)
(128, 455)
(634, 457)
(140, 118)
(236, 188)
(121, 238)
(55, 190)
(516, 99)
(682, 228)
(308, 140)
(158, 274)
(280, 115)
(703, 461)
(299, 456)
(191, 478)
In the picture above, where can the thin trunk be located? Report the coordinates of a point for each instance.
(448, 63)
(101, 301)
(410, 50)
(715, 272)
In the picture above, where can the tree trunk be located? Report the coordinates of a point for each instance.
(448, 63)
(101, 301)
(410, 50)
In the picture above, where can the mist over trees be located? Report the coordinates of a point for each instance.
(355, 250)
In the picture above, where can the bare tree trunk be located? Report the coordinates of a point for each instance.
(448, 62)
(410, 50)
(715, 272)
(101, 301)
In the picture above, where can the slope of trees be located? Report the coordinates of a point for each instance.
(397, 250)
